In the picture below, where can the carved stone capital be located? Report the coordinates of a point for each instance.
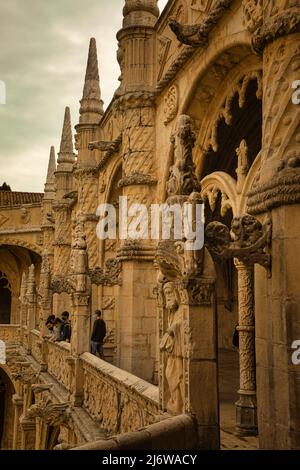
(109, 276)
(61, 285)
(88, 172)
(250, 243)
(200, 291)
(80, 300)
(135, 99)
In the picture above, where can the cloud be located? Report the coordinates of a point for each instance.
(42, 62)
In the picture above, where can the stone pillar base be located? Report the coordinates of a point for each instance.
(246, 415)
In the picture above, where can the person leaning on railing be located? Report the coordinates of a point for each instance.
(65, 330)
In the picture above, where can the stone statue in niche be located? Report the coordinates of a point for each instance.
(172, 344)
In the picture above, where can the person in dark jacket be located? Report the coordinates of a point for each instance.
(65, 330)
(98, 335)
(236, 338)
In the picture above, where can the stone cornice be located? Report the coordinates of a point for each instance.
(133, 250)
(278, 26)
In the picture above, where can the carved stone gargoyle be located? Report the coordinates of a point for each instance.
(197, 35)
(54, 414)
(248, 240)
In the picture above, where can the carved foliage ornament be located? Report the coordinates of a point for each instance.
(253, 14)
(171, 103)
(248, 240)
(109, 276)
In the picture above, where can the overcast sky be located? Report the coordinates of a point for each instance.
(43, 53)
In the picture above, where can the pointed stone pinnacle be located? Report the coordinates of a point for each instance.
(50, 181)
(92, 71)
(91, 108)
(66, 154)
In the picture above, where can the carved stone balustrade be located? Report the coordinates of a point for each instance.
(119, 401)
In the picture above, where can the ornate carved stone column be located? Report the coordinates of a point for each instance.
(187, 311)
(45, 302)
(23, 307)
(18, 410)
(135, 105)
(277, 190)
(28, 433)
(246, 407)
(31, 302)
(80, 340)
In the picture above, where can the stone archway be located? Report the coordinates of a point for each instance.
(6, 411)
(5, 299)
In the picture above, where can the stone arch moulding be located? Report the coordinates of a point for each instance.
(16, 242)
(221, 182)
(240, 43)
(218, 100)
(8, 372)
(251, 179)
(115, 166)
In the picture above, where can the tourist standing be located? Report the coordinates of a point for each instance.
(98, 335)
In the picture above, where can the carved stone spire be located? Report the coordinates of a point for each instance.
(50, 182)
(140, 12)
(66, 154)
(91, 109)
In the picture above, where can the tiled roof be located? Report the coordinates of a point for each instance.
(12, 198)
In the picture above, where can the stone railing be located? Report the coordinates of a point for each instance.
(10, 333)
(172, 433)
(116, 399)
(58, 359)
(36, 344)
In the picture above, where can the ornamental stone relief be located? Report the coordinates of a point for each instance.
(171, 101)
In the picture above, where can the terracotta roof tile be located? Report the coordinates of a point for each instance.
(12, 198)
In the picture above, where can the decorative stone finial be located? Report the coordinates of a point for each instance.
(66, 154)
(91, 108)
